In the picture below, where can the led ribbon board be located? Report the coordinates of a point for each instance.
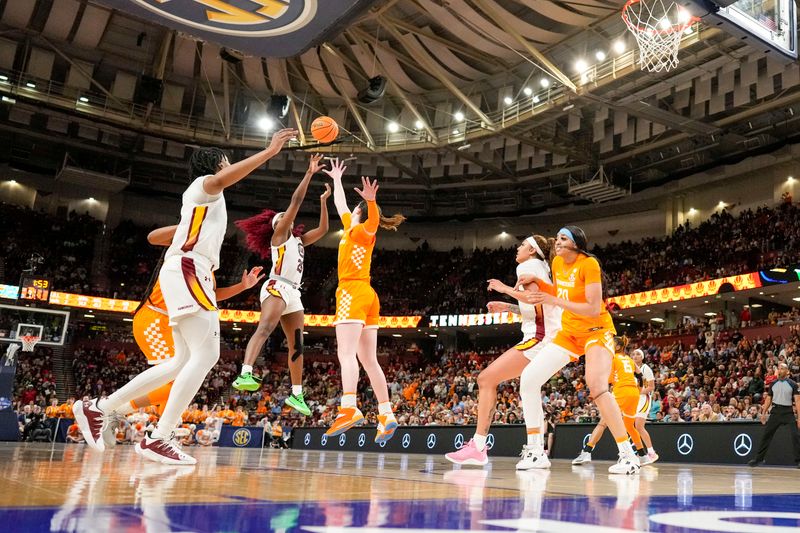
(265, 28)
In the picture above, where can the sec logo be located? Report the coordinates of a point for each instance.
(243, 18)
(241, 437)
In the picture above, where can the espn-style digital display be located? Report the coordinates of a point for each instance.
(35, 288)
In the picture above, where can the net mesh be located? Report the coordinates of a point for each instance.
(29, 342)
(659, 26)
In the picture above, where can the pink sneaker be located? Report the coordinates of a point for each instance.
(468, 455)
(91, 421)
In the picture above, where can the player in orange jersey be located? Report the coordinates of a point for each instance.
(625, 385)
(586, 329)
(357, 305)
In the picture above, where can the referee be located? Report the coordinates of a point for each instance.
(780, 396)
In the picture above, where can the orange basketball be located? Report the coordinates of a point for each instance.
(324, 129)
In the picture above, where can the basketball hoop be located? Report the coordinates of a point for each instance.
(29, 342)
(658, 26)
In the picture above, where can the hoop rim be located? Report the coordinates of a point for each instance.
(29, 341)
(675, 28)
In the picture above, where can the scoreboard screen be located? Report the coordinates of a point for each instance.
(35, 288)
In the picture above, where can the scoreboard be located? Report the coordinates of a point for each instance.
(35, 288)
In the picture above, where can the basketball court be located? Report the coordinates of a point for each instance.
(70, 488)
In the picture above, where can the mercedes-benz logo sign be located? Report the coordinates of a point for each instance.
(307, 440)
(406, 440)
(431, 440)
(685, 444)
(323, 440)
(361, 440)
(586, 439)
(342, 439)
(382, 444)
(459, 441)
(489, 441)
(742, 444)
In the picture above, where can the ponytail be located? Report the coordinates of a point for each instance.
(547, 245)
(388, 223)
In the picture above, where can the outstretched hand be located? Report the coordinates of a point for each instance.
(337, 169)
(324, 196)
(498, 307)
(314, 164)
(369, 190)
(281, 137)
(251, 279)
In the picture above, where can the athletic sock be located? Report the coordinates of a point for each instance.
(385, 408)
(247, 369)
(588, 448)
(349, 399)
(625, 447)
(650, 450)
(480, 441)
(297, 390)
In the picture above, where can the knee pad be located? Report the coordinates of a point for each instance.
(298, 345)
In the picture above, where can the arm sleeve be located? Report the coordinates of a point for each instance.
(591, 271)
(373, 217)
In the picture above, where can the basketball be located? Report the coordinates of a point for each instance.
(324, 129)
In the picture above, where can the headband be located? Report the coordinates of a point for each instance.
(276, 217)
(535, 246)
(568, 233)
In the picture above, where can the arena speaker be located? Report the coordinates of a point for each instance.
(148, 90)
(374, 91)
(278, 106)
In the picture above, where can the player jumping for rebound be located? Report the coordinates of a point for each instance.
(274, 234)
(539, 325)
(358, 307)
(187, 283)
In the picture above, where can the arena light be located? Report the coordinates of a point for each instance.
(710, 314)
(83, 100)
(790, 180)
(90, 199)
(393, 127)
(455, 131)
(459, 116)
(756, 305)
(535, 99)
(796, 299)
(581, 65)
(657, 319)
(419, 125)
(619, 46)
(88, 316)
(30, 85)
(396, 335)
(692, 211)
(600, 55)
(266, 123)
(528, 91)
(8, 100)
(508, 100)
(545, 83)
(3, 77)
(12, 182)
(433, 335)
(127, 320)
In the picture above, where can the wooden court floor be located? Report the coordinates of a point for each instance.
(70, 488)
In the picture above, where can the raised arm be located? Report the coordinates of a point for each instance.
(312, 236)
(369, 192)
(249, 280)
(232, 174)
(284, 224)
(162, 236)
(339, 199)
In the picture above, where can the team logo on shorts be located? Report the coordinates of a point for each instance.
(242, 18)
(241, 437)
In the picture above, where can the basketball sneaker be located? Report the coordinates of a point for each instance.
(347, 418)
(386, 426)
(468, 455)
(627, 463)
(533, 457)
(247, 382)
(296, 402)
(163, 450)
(649, 459)
(115, 421)
(583, 458)
(92, 422)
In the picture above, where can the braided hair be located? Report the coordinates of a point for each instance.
(205, 162)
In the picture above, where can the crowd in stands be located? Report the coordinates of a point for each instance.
(453, 280)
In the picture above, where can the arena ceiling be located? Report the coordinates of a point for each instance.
(491, 107)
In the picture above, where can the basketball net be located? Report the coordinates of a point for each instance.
(29, 342)
(658, 26)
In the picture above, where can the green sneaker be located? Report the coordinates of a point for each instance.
(298, 404)
(247, 382)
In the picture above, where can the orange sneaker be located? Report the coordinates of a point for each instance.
(347, 418)
(386, 426)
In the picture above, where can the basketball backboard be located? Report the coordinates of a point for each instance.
(49, 324)
(766, 24)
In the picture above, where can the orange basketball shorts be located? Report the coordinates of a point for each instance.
(577, 344)
(628, 400)
(357, 302)
(153, 334)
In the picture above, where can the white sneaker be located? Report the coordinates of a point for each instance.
(163, 450)
(583, 458)
(533, 457)
(649, 459)
(627, 464)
